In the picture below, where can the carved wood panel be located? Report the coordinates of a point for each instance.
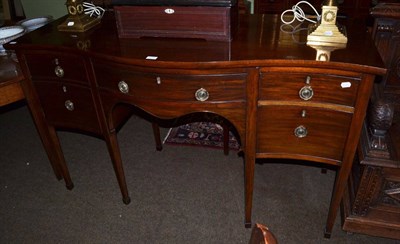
(379, 189)
(390, 191)
(368, 189)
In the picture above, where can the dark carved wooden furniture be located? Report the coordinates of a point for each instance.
(281, 102)
(372, 202)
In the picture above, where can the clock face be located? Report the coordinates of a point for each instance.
(329, 16)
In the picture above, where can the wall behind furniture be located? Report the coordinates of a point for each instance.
(36, 8)
(5, 10)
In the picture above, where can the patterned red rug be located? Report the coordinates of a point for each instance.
(204, 134)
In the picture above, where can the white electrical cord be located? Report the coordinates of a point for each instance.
(93, 10)
(298, 13)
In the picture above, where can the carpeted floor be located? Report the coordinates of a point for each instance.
(203, 134)
(179, 195)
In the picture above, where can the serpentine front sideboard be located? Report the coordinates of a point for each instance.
(265, 82)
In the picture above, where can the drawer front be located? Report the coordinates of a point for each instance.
(302, 131)
(53, 66)
(68, 106)
(171, 87)
(322, 88)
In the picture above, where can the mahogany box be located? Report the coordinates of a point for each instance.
(213, 20)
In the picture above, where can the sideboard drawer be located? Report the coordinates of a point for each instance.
(56, 66)
(170, 87)
(300, 130)
(325, 88)
(68, 106)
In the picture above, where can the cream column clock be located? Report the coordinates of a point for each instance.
(326, 36)
(77, 20)
(329, 12)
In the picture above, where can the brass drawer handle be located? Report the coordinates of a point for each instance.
(59, 71)
(69, 105)
(123, 87)
(202, 95)
(306, 93)
(308, 80)
(300, 131)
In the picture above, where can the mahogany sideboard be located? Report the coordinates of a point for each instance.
(265, 82)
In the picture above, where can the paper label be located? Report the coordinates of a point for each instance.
(346, 84)
(151, 57)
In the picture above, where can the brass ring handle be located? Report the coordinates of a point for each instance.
(123, 87)
(202, 95)
(306, 93)
(300, 131)
(69, 105)
(59, 71)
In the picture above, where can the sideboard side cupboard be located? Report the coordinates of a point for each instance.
(265, 82)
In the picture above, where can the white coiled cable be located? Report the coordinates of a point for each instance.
(93, 10)
(298, 13)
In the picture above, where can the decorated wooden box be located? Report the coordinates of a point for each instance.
(213, 20)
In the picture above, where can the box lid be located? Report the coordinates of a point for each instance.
(216, 3)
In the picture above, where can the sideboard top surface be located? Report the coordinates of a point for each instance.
(261, 40)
